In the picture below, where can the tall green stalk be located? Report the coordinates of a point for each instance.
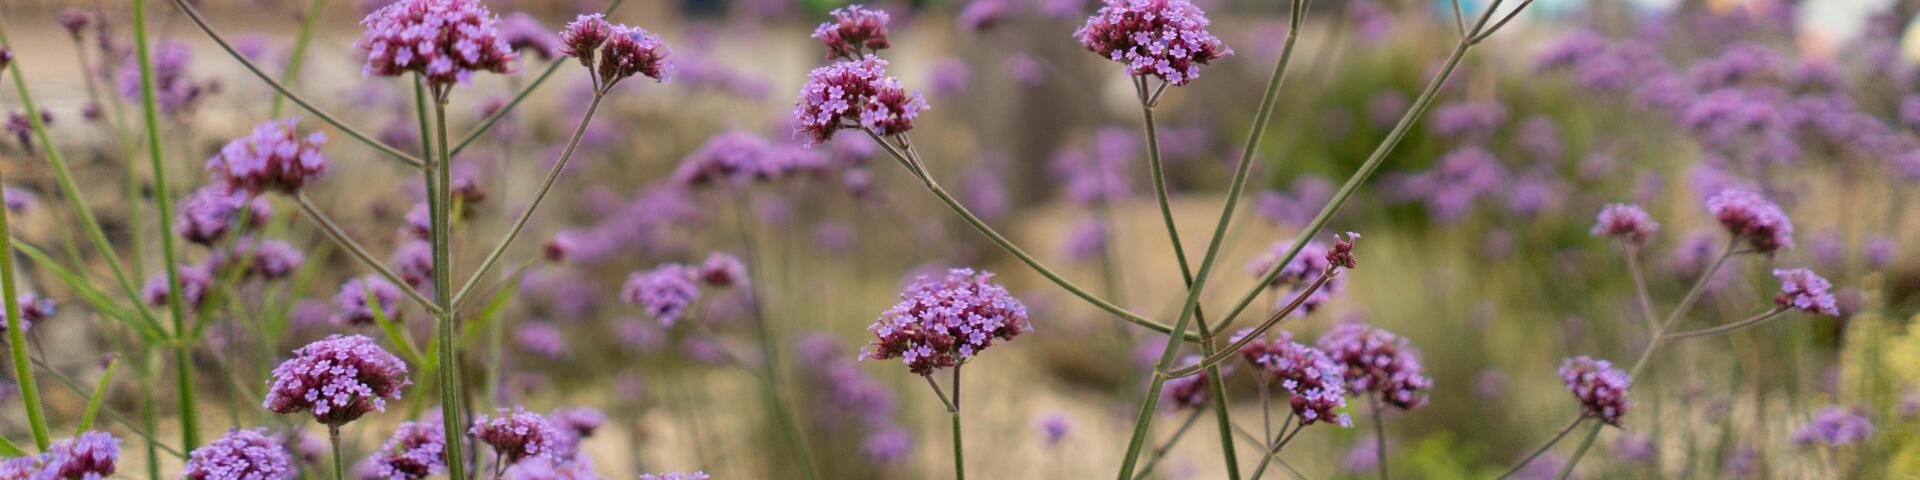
(452, 398)
(163, 203)
(17, 335)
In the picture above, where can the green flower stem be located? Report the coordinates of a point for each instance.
(553, 175)
(1640, 286)
(770, 381)
(1379, 435)
(911, 165)
(1543, 448)
(74, 196)
(1160, 452)
(452, 398)
(333, 438)
(1750, 321)
(333, 231)
(1215, 385)
(194, 14)
(1660, 337)
(299, 57)
(163, 205)
(17, 334)
(1273, 452)
(551, 67)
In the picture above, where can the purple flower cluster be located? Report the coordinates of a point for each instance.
(1601, 389)
(337, 379)
(580, 422)
(1461, 177)
(541, 338)
(33, 309)
(1803, 290)
(1378, 361)
(723, 270)
(415, 451)
(1314, 383)
(1163, 38)
(1626, 222)
(1471, 120)
(212, 211)
(732, 159)
(846, 397)
(1299, 204)
(240, 455)
(173, 90)
(1835, 426)
(1753, 219)
(624, 51)
(854, 94)
(442, 40)
(90, 456)
(350, 305)
(195, 280)
(941, 322)
(272, 158)
(524, 32)
(854, 31)
(517, 434)
(666, 292)
(1599, 64)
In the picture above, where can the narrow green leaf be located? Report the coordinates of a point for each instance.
(99, 396)
(94, 297)
(487, 315)
(7, 448)
(394, 334)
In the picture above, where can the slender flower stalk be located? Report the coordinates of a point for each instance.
(16, 322)
(194, 15)
(163, 205)
(333, 438)
(339, 236)
(770, 377)
(1543, 448)
(1160, 452)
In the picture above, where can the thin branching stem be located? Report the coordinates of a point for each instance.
(163, 206)
(1254, 334)
(194, 14)
(1379, 434)
(1750, 321)
(452, 395)
(1160, 452)
(1640, 285)
(1543, 448)
(546, 185)
(1007, 245)
(340, 237)
(299, 55)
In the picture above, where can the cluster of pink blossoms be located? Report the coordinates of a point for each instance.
(1378, 361)
(1315, 384)
(238, 455)
(337, 379)
(614, 52)
(518, 434)
(854, 30)
(1803, 290)
(941, 322)
(854, 94)
(1600, 388)
(1626, 222)
(272, 158)
(444, 41)
(1758, 222)
(1163, 38)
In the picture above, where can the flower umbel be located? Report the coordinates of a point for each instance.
(854, 94)
(1601, 389)
(854, 31)
(1163, 38)
(1758, 222)
(414, 452)
(240, 455)
(1626, 222)
(272, 158)
(940, 322)
(444, 41)
(1376, 360)
(1803, 290)
(517, 434)
(1315, 385)
(337, 379)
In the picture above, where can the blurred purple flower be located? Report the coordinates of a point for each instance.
(666, 292)
(1834, 426)
(1600, 388)
(1377, 361)
(854, 31)
(1801, 289)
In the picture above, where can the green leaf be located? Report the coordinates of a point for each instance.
(7, 448)
(149, 330)
(471, 333)
(394, 334)
(99, 396)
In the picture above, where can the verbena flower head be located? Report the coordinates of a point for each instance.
(614, 52)
(541, 338)
(517, 434)
(941, 322)
(266, 259)
(723, 270)
(90, 456)
(416, 451)
(854, 94)
(1835, 426)
(74, 20)
(1803, 290)
(1315, 385)
(195, 280)
(337, 379)
(1755, 220)
(209, 213)
(444, 41)
(854, 31)
(1378, 361)
(240, 455)
(1601, 389)
(33, 309)
(579, 421)
(524, 32)
(1054, 427)
(173, 90)
(1635, 449)
(1163, 38)
(731, 159)
(1626, 222)
(665, 292)
(272, 158)
(350, 305)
